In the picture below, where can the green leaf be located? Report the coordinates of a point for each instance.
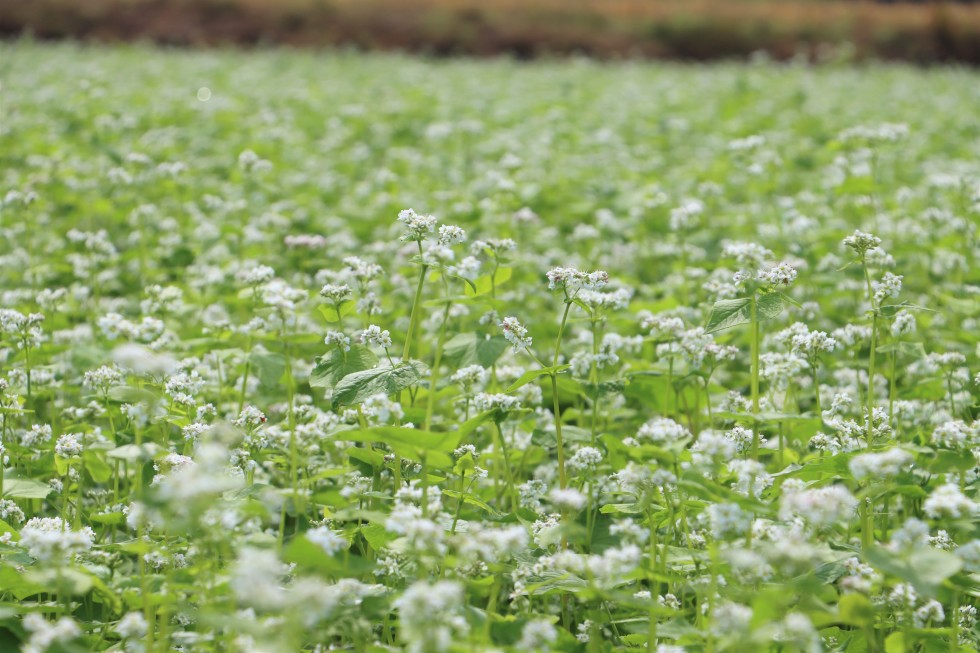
(25, 488)
(329, 313)
(409, 443)
(269, 367)
(464, 464)
(131, 452)
(770, 306)
(308, 555)
(337, 364)
(925, 568)
(527, 377)
(727, 313)
(70, 581)
(856, 610)
(125, 394)
(376, 535)
(472, 500)
(474, 349)
(355, 388)
(97, 468)
(895, 643)
(910, 349)
(484, 285)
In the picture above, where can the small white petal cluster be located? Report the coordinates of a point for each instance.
(49, 539)
(45, 634)
(567, 499)
(430, 617)
(662, 430)
(886, 464)
(417, 227)
(485, 401)
(781, 274)
(326, 539)
(889, 286)
(956, 434)
(516, 333)
(374, 335)
(862, 242)
(949, 501)
(572, 280)
(823, 507)
(68, 446)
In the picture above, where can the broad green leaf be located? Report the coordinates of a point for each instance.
(527, 377)
(484, 284)
(925, 568)
(727, 313)
(417, 439)
(770, 306)
(337, 364)
(355, 388)
(474, 349)
(329, 313)
(910, 349)
(97, 468)
(268, 367)
(307, 555)
(25, 488)
(125, 394)
(131, 452)
(471, 500)
(856, 609)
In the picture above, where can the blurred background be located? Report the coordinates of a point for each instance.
(817, 30)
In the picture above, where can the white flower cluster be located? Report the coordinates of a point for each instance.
(516, 333)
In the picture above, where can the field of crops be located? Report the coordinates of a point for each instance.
(340, 352)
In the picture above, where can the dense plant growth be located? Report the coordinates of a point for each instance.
(685, 361)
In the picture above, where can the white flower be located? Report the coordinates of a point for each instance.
(821, 507)
(782, 274)
(45, 634)
(336, 292)
(728, 520)
(862, 242)
(948, 501)
(431, 616)
(49, 539)
(418, 227)
(68, 446)
(889, 286)
(326, 539)
(337, 338)
(886, 464)
(451, 235)
(499, 402)
(567, 499)
(537, 635)
(585, 458)
(515, 333)
(373, 335)
(956, 434)
(904, 322)
(131, 626)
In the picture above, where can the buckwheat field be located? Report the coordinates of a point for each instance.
(308, 353)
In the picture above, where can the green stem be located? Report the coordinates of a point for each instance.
(434, 377)
(755, 355)
(416, 312)
(562, 478)
(755, 377)
(816, 387)
(871, 376)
